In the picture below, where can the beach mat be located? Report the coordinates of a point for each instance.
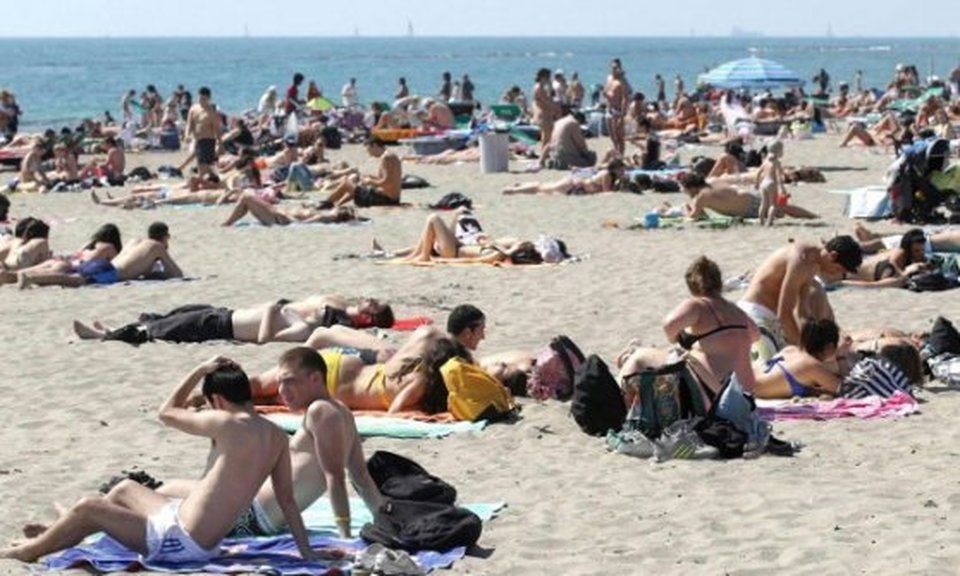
(411, 324)
(870, 408)
(411, 427)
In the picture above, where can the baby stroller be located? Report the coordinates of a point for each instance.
(912, 196)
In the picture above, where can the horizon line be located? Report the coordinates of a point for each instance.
(480, 37)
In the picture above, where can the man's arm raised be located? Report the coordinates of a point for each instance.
(325, 425)
(177, 413)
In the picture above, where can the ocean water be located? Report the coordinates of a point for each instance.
(58, 81)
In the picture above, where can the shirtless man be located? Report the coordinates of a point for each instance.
(467, 324)
(889, 268)
(32, 177)
(380, 190)
(279, 321)
(323, 451)
(247, 450)
(360, 382)
(615, 92)
(545, 110)
(141, 258)
(568, 146)
(438, 115)
(203, 127)
(784, 290)
(729, 201)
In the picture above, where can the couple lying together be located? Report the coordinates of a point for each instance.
(101, 261)
(257, 479)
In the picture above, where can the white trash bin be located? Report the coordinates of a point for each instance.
(494, 152)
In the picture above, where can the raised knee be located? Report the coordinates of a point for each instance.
(87, 505)
(120, 490)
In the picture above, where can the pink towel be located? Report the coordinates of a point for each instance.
(900, 404)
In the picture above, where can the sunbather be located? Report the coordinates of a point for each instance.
(269, 215)
(279, 321)
(247, 450)
(810, 369)
(729, 201)
(26, 247)
(608, 178)
(947, 240)
(889, 268)
(89, 265)
(381, 190)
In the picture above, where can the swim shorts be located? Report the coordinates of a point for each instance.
(206, 150)
(369, 196)
(169, 543)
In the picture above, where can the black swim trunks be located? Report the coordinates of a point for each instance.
(194, 323)
(206, 150)
(369, 196)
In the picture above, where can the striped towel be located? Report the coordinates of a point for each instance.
(875, 377)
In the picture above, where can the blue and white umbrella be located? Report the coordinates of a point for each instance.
(753, 73)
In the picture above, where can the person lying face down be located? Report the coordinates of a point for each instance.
(277, 321)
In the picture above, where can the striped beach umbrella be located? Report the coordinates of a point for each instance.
(753, 72)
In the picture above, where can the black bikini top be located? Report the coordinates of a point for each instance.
(686, 340)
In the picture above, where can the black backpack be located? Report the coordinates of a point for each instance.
(403, 479)
(931, 282)
(451, 201)
(597, 403)
(944, 338)
(414, 526)
(332, 138)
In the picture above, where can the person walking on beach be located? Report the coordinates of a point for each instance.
(292, 103)
(615, 93)
(545, 110)
(349, 94)
(203, 127)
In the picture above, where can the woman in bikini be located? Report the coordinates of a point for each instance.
(89, 265)
(608, 178)
(28, 246)
(808, 370)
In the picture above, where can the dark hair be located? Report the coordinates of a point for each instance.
(230, 382)
(108, 233)
(20, 229)
(4, 207)
(110, 141)
(462, 317)
(734, 148)
(693, 180)
(578, 116)
(543, 73)
(911, 237)
(158, 231)
(704, 278)
(847, 250)
(905, 357)
(817, 335)
(374, 141)
(435, 397)
(297, 78)
(516, 382)
(35, 229)
(304, 358)
(204, 91)
(384, 317)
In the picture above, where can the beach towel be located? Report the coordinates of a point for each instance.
(276, 555)
(410, 427)
(871, 407)
(866, 202)
(147, 282)
(306, 226)
(411, 324)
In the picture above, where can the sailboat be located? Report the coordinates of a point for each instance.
(409, 29)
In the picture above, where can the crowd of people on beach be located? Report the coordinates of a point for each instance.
(779, 340)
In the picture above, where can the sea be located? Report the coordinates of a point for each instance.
(60, 81)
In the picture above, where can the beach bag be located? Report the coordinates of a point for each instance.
(874, 377)
(452, 201)
(552, 250)
(554, 370)
(722, 435)
(597, 405)
(332, 138)
(664, 396)
(931, 282)
(665, 185)
(473, 394)
(412, 182)
(944, 338)
(415, 526)
(403, 479)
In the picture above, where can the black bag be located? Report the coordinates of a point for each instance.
(403, 479)
(931, 282)
(597, 403)
(944, 338)
(452, 201)
(414, 526)
(332, 138)
(665, 185)
(413, 182)
(722, 435)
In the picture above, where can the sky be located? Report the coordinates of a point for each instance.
(133, 18)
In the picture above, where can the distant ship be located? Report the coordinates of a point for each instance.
(829, 30)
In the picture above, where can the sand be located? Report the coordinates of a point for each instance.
(862, 497)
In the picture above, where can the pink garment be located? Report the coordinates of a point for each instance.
(268, 195)
(900, 404)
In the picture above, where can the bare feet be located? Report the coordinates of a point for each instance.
(861, 232)
(94, 197)
(86, 332)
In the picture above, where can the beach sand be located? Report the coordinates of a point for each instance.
(870, 497)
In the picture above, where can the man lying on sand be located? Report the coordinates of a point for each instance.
(380, 190)
(267, 214)
(784, 289)
(247, 450)
(729, 201)
(608, 178)
(323, 452)
(888, 268)
(279, 321)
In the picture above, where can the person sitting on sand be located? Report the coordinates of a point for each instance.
(26, 247)
(278, 321)
(784, 289)
(66, 170)
(728, 201)
(112, 167)
(247, 449)
(567, 147)
(716, 335)
(407, 380)
(887, 131)
(809, 369)
(608, 178)
(731, 162)
(438, 115)
(89, 265)
(381, 190)
(32, 178)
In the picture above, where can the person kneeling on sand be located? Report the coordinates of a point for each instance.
(729, 201)
(785, 289)
(380, 190)
(278, 321)
(323, 452)
(247, 450)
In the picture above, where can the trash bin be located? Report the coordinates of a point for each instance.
(494, 152)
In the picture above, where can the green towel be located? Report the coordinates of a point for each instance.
(319, 516)
(369, 426)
